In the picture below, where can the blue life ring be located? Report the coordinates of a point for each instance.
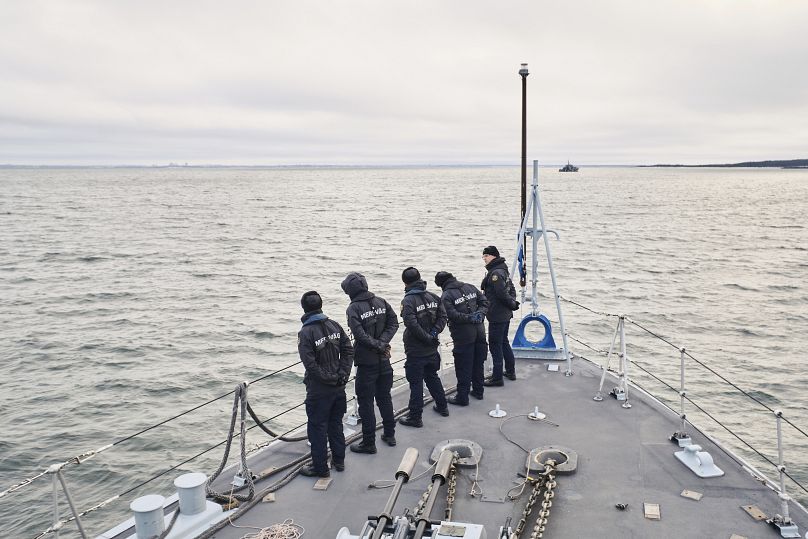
(521, 341)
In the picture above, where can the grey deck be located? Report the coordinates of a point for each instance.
(624, 457)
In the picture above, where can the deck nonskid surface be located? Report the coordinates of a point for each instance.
(623, 457)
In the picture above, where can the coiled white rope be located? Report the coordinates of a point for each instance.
(285, 530)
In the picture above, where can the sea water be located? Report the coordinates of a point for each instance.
(130, 295)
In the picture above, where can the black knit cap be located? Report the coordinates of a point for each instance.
(491, 250)
(410, 275)
(311, 301)
(441, 277)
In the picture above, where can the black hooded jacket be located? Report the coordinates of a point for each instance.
(423, 313)
(325, 351)
(499, 291)
(461, 300)
(371, 320)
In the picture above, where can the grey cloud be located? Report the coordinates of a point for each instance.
(415, 82)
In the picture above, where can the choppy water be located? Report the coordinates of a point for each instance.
(130, 295)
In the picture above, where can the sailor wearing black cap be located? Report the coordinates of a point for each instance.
(327, 354)
(373, 324)
(424, 318)
(501, 296)
(466, 308)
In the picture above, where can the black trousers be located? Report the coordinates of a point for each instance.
(374, 382)
(420, 371)
(500, 348)
(324, 411)
(469, 360)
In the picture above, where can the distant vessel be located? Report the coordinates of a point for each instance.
(568, 168)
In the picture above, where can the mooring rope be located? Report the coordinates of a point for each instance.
(239, 410)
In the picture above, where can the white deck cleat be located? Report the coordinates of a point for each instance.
(700, 462)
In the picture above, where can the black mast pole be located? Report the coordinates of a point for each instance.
(524, 73)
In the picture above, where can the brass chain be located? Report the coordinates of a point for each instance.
(451, 489)
(534, 496)
(549, 493)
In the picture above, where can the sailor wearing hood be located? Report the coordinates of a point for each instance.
(373, 324)
(501, 297)
(466, 308)
(327, 354)
(424, 318)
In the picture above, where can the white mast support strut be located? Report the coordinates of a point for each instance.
(534, 296)
(550, 266)
(599, 395)
(624, 362)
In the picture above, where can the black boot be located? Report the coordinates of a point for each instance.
(457, 401)
(363, 447)
(389, 440)
(309, 471)
(442, 411)
(494, 383)
(410, 421)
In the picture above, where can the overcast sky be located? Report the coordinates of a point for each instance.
(402, 82)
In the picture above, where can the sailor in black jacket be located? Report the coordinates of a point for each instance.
(466, 308)
(373, 324)
(327, 354)
(424, 318)
(501, 296)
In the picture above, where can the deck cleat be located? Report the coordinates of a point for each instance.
(700, 462)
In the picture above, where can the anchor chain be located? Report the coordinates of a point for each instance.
(531, 501)
(548, 483)
(451, 489)
(419, 507)
(549, 493)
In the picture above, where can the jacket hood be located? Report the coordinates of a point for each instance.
(354, 284)
(312, 317)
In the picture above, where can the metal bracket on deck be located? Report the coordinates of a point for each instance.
(786, 526)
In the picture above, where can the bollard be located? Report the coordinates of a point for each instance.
(191, 492)
(149, 520)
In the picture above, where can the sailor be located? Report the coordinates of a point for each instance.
(465, 308)
(424, 318)
(501, 295)
(373, 324)
(327, 354)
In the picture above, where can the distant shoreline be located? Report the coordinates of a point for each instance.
(789, 163)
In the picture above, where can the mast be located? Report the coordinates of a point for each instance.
(524, 73)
